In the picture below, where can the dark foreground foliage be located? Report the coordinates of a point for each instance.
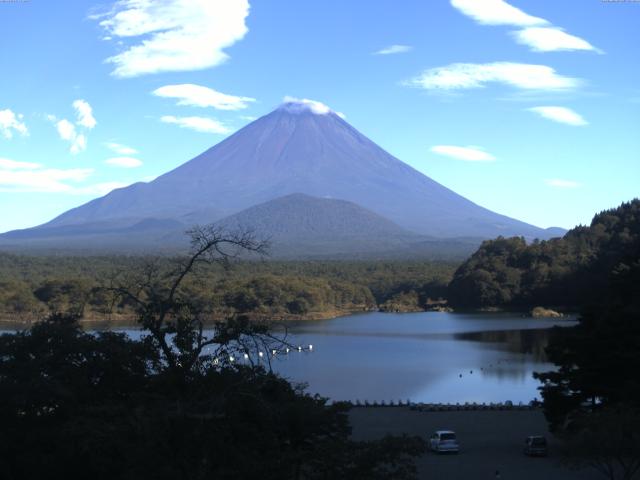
(592, 400)
(174, 404)
(79, 405)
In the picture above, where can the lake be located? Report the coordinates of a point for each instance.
(428, 357)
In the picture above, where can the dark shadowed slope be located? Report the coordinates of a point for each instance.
(301, 225)
(296, 149)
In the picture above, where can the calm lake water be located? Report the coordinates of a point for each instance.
(423, 357)
(426, 357)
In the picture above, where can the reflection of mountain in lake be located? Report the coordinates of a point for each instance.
(531, 342)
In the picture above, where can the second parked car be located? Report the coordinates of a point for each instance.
(444, 441)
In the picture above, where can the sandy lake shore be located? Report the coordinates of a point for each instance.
(489, 441)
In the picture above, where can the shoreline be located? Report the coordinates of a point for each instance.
(120, 321)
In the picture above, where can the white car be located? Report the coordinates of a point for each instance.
(444, 441)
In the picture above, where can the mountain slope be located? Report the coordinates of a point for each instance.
(301, 225)
(298, 150)
(294, 149)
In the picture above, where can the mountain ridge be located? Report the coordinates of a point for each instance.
(295, 149)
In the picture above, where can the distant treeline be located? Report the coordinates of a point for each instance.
(570, 271)
(32, 287)
(505, 272)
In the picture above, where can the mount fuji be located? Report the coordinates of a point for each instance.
(302, 147)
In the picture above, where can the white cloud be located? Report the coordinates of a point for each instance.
(177, 35)
(41, 179)
(84, 113)
(496, 12)
(67, 131)
(392, 49)
(469, 154)
(125, 162)
(548, 39)
(11, 123)
(536, 33)
(560, 115)
(120, 149)
(296, 105)
(301, 105)
(18, 176)
(474, 75)
(8, 164)
(199, 96)
(199, 124)
(559, 183)
(74, 134)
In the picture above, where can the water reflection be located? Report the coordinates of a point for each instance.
(530, 341)
(432, 357)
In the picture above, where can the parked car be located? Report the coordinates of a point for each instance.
(535, 445)
(444, 441)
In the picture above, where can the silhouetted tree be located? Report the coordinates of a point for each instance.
(173, 404)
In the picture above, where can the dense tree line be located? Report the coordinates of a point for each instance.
(568, 271)
(34, 286)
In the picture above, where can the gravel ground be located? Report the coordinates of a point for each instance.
(490, 441)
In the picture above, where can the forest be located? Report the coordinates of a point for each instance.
(568, 272)
(564, 273)
(32, 287)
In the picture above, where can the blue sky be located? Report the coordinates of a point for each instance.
(529, 108)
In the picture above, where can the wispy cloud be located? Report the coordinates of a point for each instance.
(536, 33)
(550, 39)
(474, 75)
(199, 124)
(16, 176)
(468, 154)
(120, 149)
(496, 12)
(298, 105)
(560, 183)
(67, 131)
(560, 115)
(76, 134)
(11, 123)
(199, 96)
(8, 164)
(84, 114)
(392, 49)
(175, 35)
(124, 162)
(33, 177)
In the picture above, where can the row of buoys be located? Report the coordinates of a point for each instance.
(274, 352)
